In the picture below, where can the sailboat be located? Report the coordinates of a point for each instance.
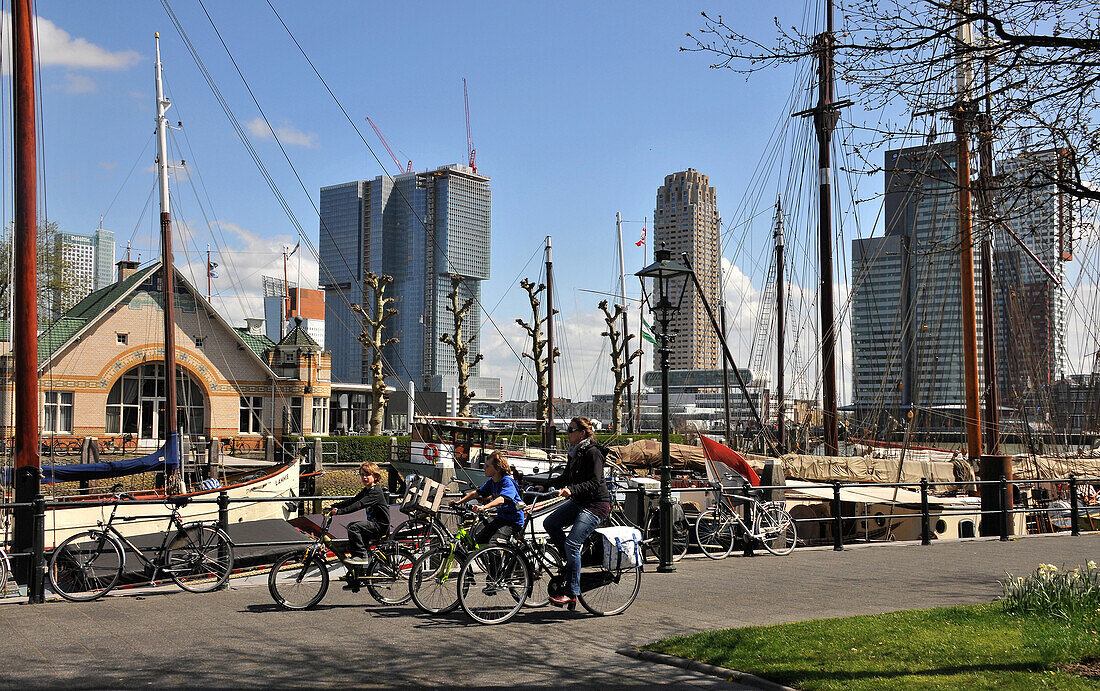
(100, 312)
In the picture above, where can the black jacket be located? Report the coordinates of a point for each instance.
(373, 499)
(584, 475)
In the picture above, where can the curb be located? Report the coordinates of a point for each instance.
(704, 668)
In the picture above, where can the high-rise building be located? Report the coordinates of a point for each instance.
(104, 241)
(686, 220)
(421, 229)
(89, 262)
(906, 310)
(1031, 307)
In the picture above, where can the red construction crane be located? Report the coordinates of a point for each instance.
(470, 150)
(386, 144)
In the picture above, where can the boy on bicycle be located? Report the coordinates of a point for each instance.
(503, 492)
(376, 525)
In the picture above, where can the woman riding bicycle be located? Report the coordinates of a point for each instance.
(589, 503)
(503, 492)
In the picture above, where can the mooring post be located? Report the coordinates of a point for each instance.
(838, 538)
(925, 519)
(1004, 509)
(1074, 512)
(36, 584)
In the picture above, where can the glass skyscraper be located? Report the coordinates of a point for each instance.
(421, 229)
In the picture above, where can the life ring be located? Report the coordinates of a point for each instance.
(431, 452)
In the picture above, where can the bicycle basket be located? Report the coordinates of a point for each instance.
(424, 495)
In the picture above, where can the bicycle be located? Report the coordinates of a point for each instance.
(434, 580)
(651, 533)
(425, 530)
(5, 562)
(299, 579)
(121, 444)
(198, 556)
(771, 525)
(497, 579)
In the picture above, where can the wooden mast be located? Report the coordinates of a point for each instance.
(963, 116)
(166, 265)
(550, 437)
(779, 324)
(25, 315)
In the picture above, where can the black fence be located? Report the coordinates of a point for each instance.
(996, 514)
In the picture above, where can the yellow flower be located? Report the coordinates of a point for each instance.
(1091, 564)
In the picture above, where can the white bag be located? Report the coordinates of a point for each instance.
(622, 547)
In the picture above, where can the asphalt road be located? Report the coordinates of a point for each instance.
(238, 637)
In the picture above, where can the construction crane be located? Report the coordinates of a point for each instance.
(470, 150)
(386, 144)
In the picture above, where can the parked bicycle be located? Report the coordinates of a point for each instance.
(197, 556)
(651, 526)
(299, 579)
(5, 563)
(718, 528)
(497, 579)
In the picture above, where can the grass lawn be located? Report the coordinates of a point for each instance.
(973, 647)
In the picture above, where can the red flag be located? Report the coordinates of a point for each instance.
(641, 242)
(716, 453)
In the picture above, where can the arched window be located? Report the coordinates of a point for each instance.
(135, 404)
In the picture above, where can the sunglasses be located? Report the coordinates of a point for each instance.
(571, 430)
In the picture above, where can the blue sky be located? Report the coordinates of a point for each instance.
(578, 110)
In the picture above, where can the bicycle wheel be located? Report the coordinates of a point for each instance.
(681, 534)
(3, 574)
(777, 530)
(433, 581)
(605, 592)
(714, 532)
(388, 575)
(545, 563)
(494, 584)
(199, 558)
(86, 566)
(419, 534)
(298, 581)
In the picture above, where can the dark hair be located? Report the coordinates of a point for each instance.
(583, 424)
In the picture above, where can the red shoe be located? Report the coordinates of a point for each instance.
(564, 601)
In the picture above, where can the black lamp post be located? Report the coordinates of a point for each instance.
(664, 271)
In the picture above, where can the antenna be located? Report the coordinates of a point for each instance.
(470, 150)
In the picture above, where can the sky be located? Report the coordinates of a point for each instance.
(577, 110)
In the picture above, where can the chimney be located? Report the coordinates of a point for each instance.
(254, 326)
(126, 268)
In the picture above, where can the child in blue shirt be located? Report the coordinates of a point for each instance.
(503, 492)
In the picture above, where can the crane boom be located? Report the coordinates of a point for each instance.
(470, 150)
(400, 168)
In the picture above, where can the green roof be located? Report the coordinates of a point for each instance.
(259, 343)
(91, 307)
(299, 337)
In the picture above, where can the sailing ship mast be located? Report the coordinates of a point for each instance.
(779, 324)
(166, 268)
(550, 435)
(25, 314)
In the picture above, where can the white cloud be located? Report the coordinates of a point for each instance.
(57, 48)
(243, 258)
(78, 84)
(287, 134)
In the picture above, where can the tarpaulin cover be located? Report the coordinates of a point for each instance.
(165, 458)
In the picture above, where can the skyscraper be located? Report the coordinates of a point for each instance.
(1029, 305)
(906, 311)
(90, 263)
(686, 220)
(421, 229)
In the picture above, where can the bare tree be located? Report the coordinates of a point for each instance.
(460, 345)
(538, 354)
(1038, 61)
(372, 338)
(619, 366)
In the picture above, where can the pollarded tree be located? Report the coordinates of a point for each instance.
(460, 345)
(372, 338)
(538, 354)
(620, 344)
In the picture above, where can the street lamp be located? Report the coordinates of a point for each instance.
(664, 271)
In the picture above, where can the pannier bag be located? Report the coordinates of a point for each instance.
(622, 547)
(423, 495)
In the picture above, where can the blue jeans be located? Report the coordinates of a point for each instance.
(583, 522)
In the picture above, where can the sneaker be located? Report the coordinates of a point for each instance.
(357, 561)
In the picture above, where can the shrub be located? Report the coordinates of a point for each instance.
(1061, 593)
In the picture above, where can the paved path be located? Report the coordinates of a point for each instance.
(239, 638)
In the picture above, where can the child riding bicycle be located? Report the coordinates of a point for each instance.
(376, 525)
(503, 492)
